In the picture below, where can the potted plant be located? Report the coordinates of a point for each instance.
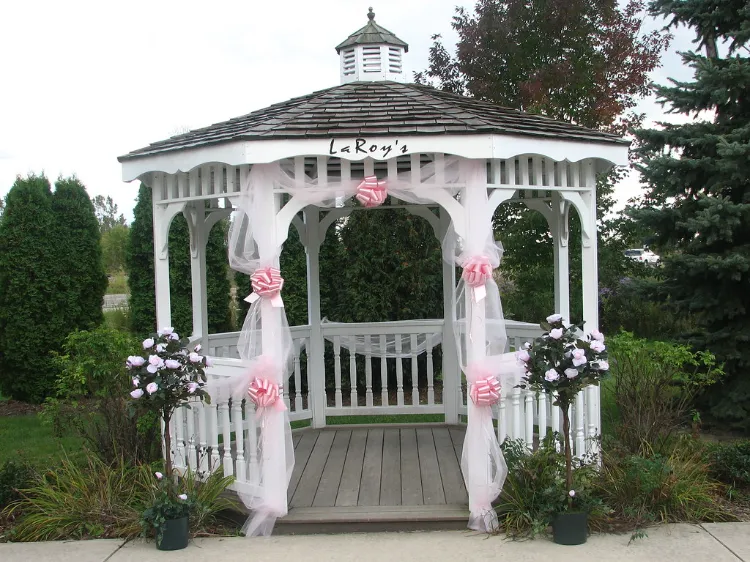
(561, 363)
(165, 376)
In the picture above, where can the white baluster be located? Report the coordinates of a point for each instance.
(353, 372)
(529, 413)
(592, 407)
(213, 422)
(202, 438)
(542, 420)
(227, 438)
(179, 425)
(430, 373)
(297, 378)
(502, 423)
(337, 369)
(414, 371)
(368, 371)
(555, 414)
(239, 440)
(399, 373)
(516, 408)
(191, 452)
(252, 432)
(580, 407)
(307, 373)
(383, 372)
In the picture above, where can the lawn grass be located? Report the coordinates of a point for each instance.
(24, 438)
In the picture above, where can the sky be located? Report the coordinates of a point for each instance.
(82, 82)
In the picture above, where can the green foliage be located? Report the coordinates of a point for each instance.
(14, 476)
(27, 439)
(168, 503)
(535, 489)
(218, 298)
(115, 248)
(107, 214)
(654, 385)
(140, 266)
(180, 278)
(646, 489)
(90, 500)
(81, 278)
(697, 203)
(31, 315)
(730, 463)
(117, 319)
(91, 398)
(118, 283)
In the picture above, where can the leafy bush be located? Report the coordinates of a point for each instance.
(653, 387)
(660, 489)
(14, 476)
(535, 489)
(91, 398)
(117, 319)
(730, 463)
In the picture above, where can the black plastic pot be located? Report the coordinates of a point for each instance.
(175, 534)
(570, 527)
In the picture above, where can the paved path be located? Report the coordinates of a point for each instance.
(114, 301)
(719, 542)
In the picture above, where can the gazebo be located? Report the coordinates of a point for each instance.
(309, 162)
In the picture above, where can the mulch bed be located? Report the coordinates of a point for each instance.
(16, 408)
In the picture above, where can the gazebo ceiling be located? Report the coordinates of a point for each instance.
(377, 109)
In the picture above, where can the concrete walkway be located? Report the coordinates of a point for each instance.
(710, 542)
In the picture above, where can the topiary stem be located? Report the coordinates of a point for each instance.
(568, 452)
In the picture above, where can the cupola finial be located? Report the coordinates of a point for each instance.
(371, 14)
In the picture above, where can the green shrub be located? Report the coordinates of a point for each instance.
(92, 397)
(117, 319)
(730, 463)
(660, 489)
(14, 476)
(652, 390)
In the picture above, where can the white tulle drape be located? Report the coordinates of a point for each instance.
(265, 343)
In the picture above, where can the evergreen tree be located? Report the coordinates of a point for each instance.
(217, 279)
(698, 199)
(30, 326)
(82, 281)
(140, 266)
(180, 281)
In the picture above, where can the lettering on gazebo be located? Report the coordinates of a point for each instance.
(363, 146)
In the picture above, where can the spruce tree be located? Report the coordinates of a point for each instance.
(30, 325)
(81, 278)
(217, 279)
(140, 266)
(180, 281)
(697, 202)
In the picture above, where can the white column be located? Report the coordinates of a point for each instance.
(559, 228)
(196, 217)
(162, 219)
(316, 377)
(451, 372)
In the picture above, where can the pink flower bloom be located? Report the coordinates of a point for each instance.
(152, 387)
(195, 358)
(174, 336)
(137, 393)
(136, 381)
(172, 364)
(183, 497)
(136, 360)
(192, 387)
(579, 357)
(603, 366)
(597, 335)
(209, 361)
(166, 331)
(161, 348)
(152, 369)
(198, 348)
(556, 333)
(554, 318)
(551, 375)
(571, 373)
(523, 355)
(572, 493)
(158, 475)
(597, 346)
(148, 343)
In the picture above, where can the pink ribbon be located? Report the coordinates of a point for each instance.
(485, 392)
(476, 271)
(267, 283)
(371, 192)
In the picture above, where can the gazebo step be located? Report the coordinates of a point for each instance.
(332, 520)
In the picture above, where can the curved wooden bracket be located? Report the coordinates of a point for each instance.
(583, 206)
(429, 216)
(163, 217)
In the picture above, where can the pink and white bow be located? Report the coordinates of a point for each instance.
(486, 391)
(265, 394)
(267, 283)
(476, 271)
(371, 192)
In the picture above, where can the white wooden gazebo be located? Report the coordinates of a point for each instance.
(374, 123)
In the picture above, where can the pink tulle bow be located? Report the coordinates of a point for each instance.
(267, 283)
(476, 271)
(485, 392)
(265, 394)
(371, 192)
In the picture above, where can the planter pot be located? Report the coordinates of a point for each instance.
(174, 534)
(570, 527)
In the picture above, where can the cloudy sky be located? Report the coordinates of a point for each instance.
(86, 81)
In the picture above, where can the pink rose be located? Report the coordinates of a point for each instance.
(556, 333)
(152, 387)
(158, 475)
(148, 343)
(523, 355)
(192, 387)
(579, 357)
(554, 318)
(597, 335)
(571, 373)
(136, 381)
(172, 364)
(551, 375)
(597, 346)
(137, 393)
(209, 361)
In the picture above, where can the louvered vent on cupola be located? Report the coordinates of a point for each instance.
(372, 54)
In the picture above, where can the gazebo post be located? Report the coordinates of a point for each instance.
(196, 218)
(316, 380)
(162, 220)
(451, 372)
(560, 230)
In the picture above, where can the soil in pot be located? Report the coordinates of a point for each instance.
(174, 535)
(570, 527)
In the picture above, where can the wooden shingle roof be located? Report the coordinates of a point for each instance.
(376, 109)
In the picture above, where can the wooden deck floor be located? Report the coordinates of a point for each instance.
(383, 475)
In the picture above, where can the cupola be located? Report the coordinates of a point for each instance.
(372, 54)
